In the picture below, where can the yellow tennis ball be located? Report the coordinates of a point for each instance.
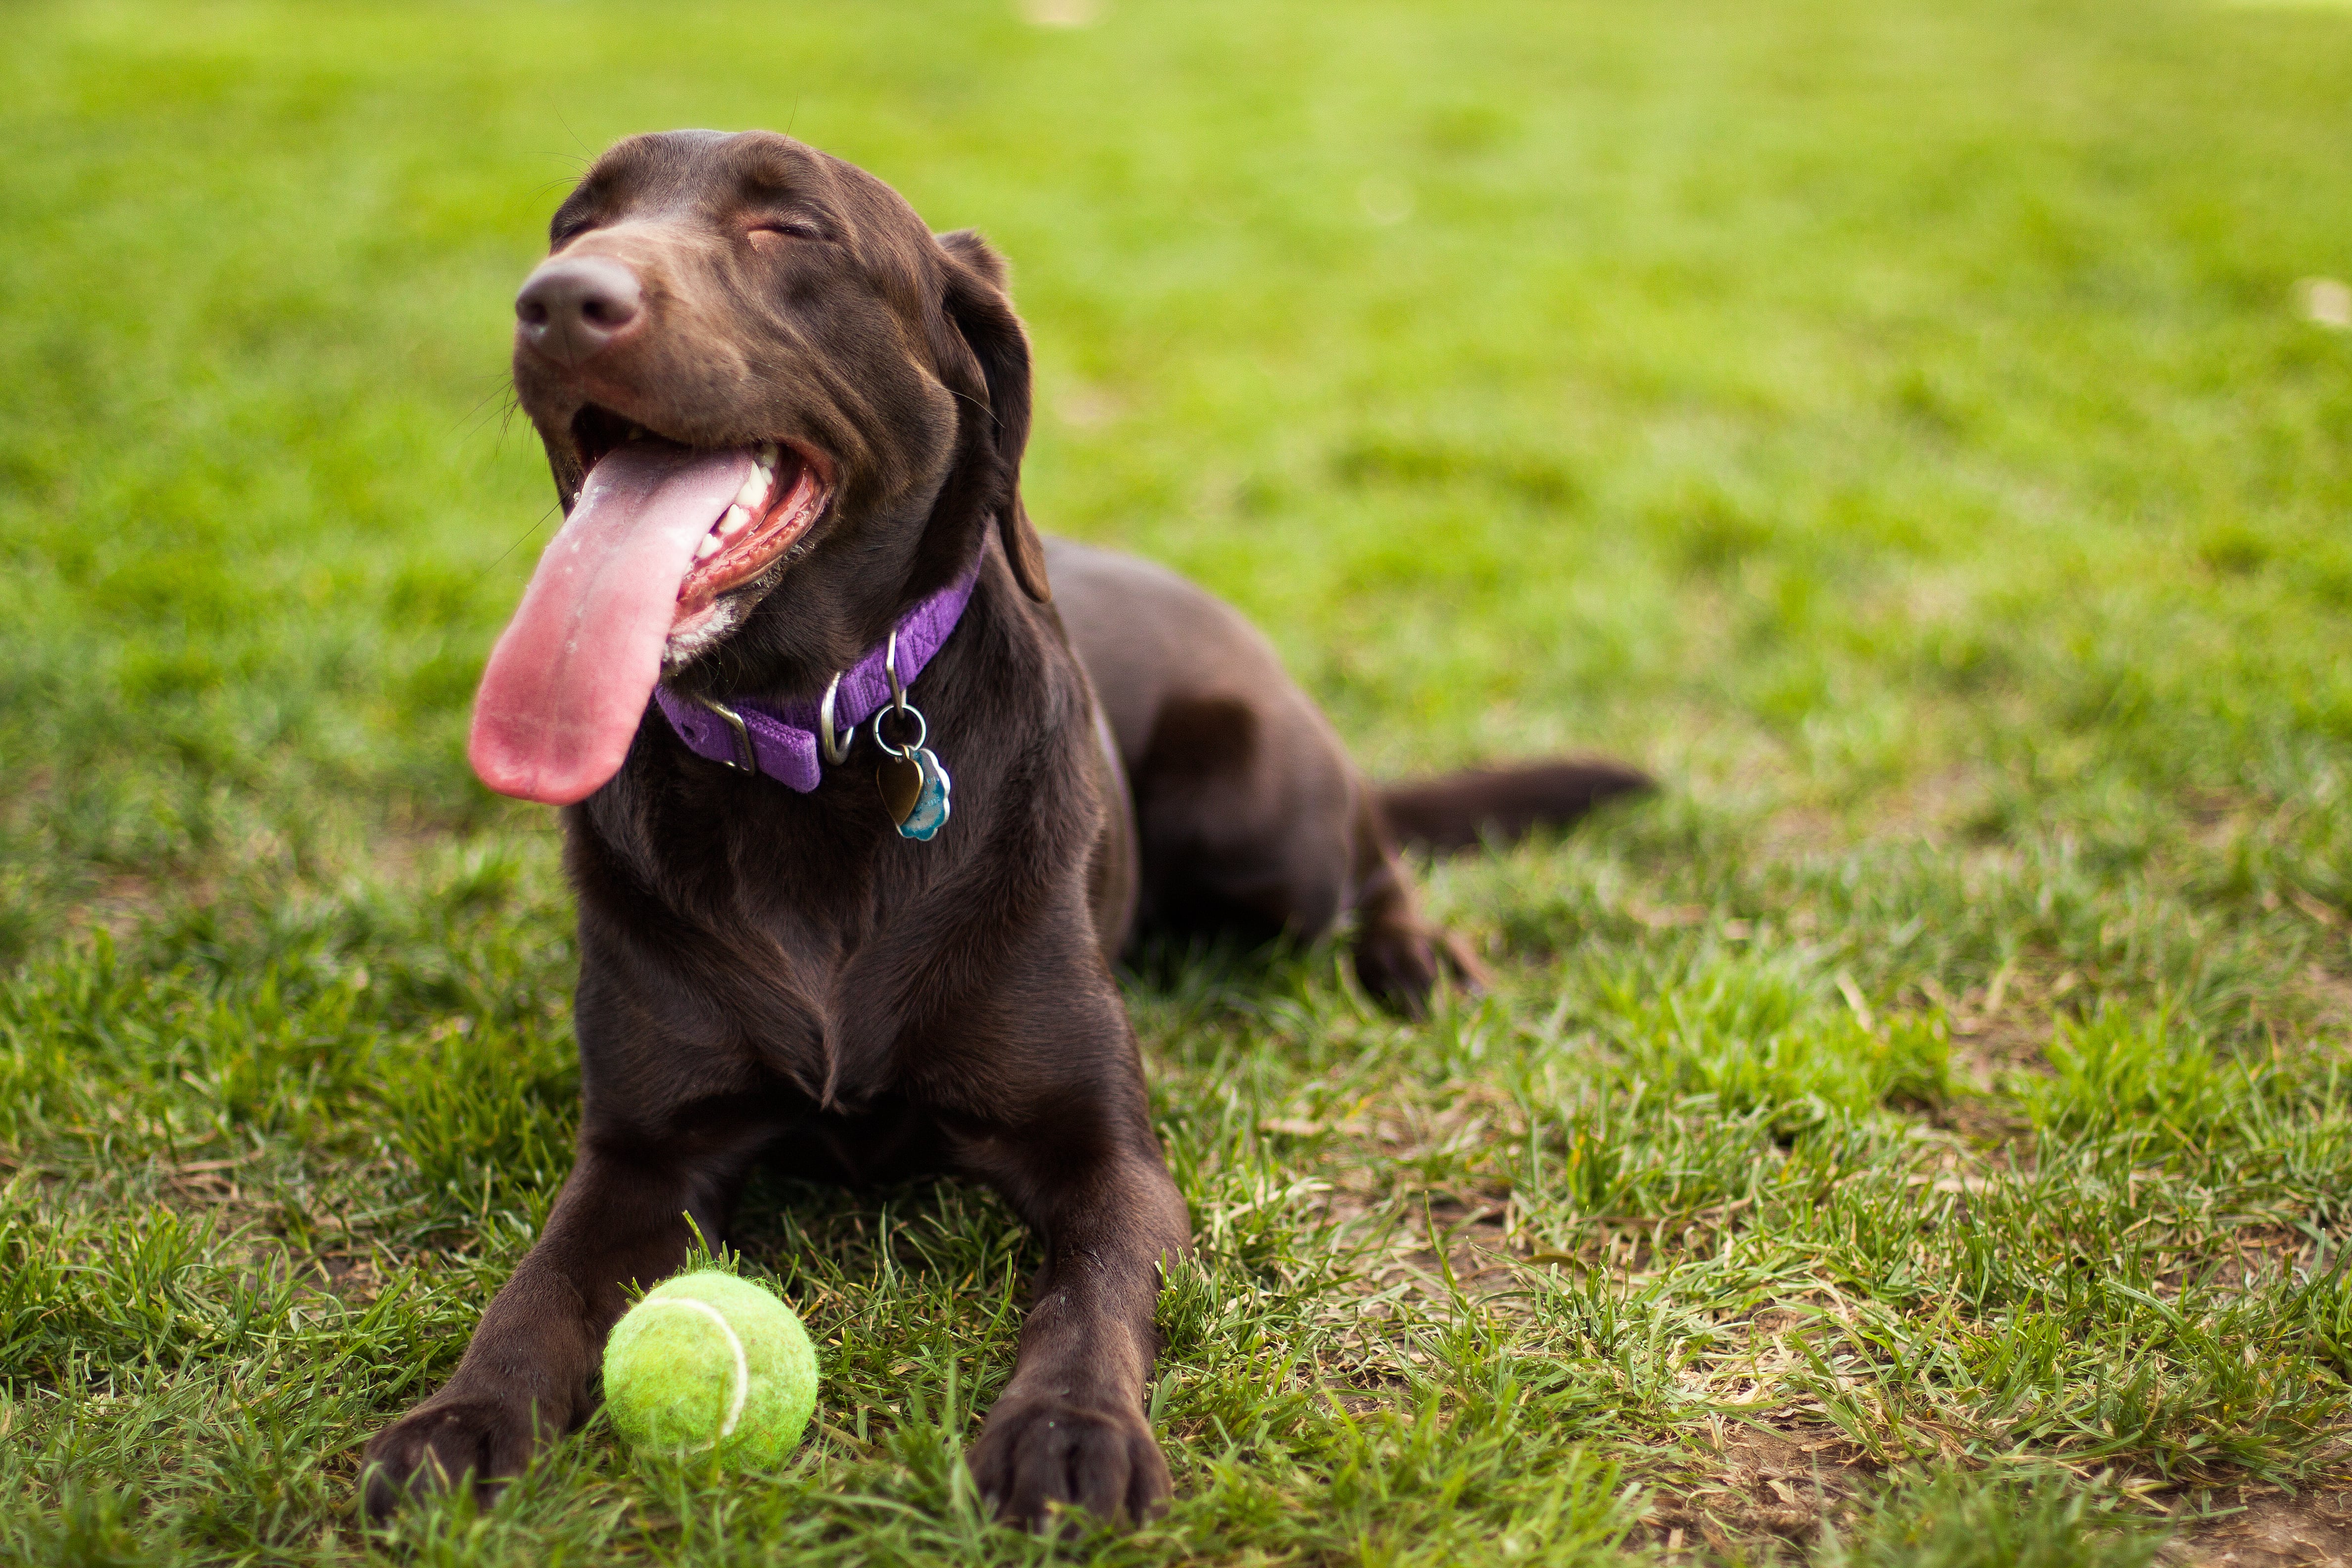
(708, 1363)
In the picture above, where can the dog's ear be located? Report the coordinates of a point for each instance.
(978, 308)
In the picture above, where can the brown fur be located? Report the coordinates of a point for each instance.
(1461, 811)
(770, 975)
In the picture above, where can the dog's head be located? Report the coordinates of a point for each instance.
(778, 410)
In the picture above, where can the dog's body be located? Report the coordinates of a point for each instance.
(771, 974)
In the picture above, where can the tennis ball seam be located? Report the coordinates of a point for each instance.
(743, 1392)
(668, 1386)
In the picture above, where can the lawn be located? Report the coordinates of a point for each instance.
(1919, 1134)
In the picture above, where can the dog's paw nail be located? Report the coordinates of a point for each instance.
(1052, 1465)
(440, 1445)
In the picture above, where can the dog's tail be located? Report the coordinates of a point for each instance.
(1461, 811)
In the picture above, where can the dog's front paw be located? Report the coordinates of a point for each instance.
(1036, 1455)
(1400, 963)
(445, 1441)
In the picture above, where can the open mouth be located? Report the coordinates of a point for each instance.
(774, 509)
(640, 578)
(776, 505)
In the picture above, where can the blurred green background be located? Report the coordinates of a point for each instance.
(1911, 429)
(1816, 393)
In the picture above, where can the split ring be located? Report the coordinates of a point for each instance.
(922, 730)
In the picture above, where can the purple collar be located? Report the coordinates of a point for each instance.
(782, 740)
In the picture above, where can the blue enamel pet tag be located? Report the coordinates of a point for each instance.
(931, 813)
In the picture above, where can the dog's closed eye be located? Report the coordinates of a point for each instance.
(797, 229)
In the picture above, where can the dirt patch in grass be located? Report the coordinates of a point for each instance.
(1777, 1483)
(2268, 1529)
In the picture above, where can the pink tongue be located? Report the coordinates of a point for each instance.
(570, 676)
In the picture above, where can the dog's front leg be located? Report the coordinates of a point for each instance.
(526, 1377)
(1070, 1429)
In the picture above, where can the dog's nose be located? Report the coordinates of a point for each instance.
(571, 309)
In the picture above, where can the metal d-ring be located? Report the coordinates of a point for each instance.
(900, 705)
(890, 663)
(837, 752)
(749, 760)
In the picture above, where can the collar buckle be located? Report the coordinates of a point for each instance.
(746, 760)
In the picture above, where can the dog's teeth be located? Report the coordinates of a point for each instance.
(733, 522)
(754, 491)
(637, 432)
(708, 547)
(767, 455)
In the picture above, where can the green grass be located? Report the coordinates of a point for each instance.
(1922, 1135)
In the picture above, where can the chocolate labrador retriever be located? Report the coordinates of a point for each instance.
(865, 788)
